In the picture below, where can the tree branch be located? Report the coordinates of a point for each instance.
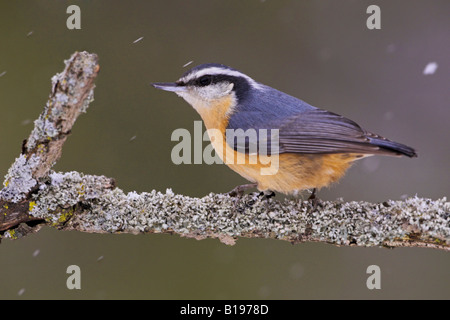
(35, 196)
(72, 91)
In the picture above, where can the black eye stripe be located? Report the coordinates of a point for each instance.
(204, 80)
(240, 84)
(208, 79)
(213, 79)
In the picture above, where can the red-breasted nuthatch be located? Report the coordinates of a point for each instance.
(314, 146)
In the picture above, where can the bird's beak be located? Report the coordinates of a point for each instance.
(169, 86)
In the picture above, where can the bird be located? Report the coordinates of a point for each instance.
(313, 147)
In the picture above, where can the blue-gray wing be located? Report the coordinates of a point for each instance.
(279, 123)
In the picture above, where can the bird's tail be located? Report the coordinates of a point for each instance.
(392, 147)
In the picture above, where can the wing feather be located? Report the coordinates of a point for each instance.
(308, 130)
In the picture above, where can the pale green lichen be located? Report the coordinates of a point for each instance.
(87, 101)
(44, 129)
(10, 234)
(361, 223)
(64, 190)
(19, 180)
(46, 126)
(31, 205)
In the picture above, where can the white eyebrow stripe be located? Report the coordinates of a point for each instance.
(219, 71)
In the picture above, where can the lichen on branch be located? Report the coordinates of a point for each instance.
(100, 207)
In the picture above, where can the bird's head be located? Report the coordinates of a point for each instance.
(206, 85)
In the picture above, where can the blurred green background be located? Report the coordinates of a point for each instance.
(320, 51)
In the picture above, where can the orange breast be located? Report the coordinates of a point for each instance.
(288, 173)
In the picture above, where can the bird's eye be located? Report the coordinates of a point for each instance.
(205, 80)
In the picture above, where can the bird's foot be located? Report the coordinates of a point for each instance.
(237, 194)
(266, 195)
(239, 190)
(314, 201)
